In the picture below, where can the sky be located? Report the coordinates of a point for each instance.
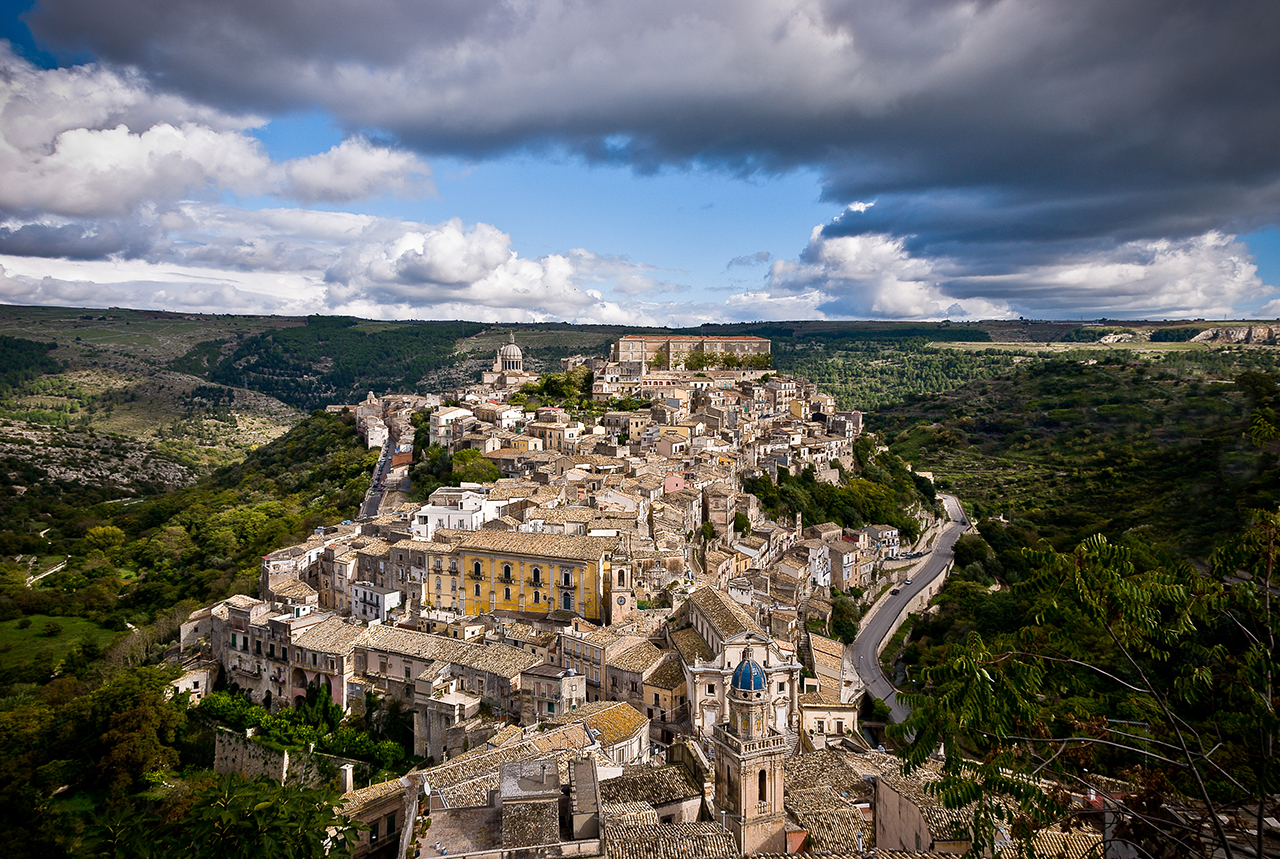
(671, 162)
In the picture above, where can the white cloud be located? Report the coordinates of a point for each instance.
(217, 258)
(356, 169)
(93, 142)
(876, 277)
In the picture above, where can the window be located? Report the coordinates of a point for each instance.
(622, 579)
(506, 571)
(839, 727)
(271, 651)
(437, 583)
(284, 654)
(373, 833)
(537, 597)
(613, 681)
(655, 699)
(407, 672)
(476, 568)
(568, 602)
(477, 590)
(821, 725)
(506, 593)
(782, 687)
(711, 688)
(391, 824)
(257, 648)
(568, 578)
(537, 575)
(233, 641)
(763, 782)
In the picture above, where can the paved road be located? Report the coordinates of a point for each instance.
(373, 498)
(875, 626)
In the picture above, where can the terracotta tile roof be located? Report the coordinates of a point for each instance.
(833, 823)
(637, 659)
(614, 721)
(668, 675)
(296, 589)
(357, 800)
(331, 635)
(723, 613)
(1054, 844)
(653, 785)
(690, 645)
(528, 824)
(505, 735)
(628, 812)
(501, 659)
(830, 769)
(668, 841)
(541, 545)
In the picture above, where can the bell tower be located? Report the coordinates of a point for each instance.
(749, 764)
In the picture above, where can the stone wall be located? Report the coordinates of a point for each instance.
(249, 758)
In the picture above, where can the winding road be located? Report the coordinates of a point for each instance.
(875, 626)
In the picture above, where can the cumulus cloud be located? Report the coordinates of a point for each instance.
(91, 142)
(215, 257)
(877, 277)
(353, 170)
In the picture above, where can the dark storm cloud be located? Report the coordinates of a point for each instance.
(94, 241)
(972, 125)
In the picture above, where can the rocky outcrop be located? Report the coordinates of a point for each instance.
(1262, 335)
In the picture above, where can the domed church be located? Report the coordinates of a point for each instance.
(749, 763)
(508, 367)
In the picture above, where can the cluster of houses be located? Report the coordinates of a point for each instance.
(610, 650)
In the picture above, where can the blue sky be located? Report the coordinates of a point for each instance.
(671, 163)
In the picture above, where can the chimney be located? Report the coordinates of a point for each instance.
(346, 778)
(544, 773)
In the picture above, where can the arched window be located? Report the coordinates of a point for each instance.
(537, 597)
(476, 568)
(506, 571)
(537, 575)
(568, 602)
(477, 589)
(437, 583)
(506, 593)
(622, 579)
(764, 782)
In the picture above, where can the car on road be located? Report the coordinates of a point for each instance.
(908, 581)
(894, 592)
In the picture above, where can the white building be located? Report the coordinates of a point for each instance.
(464, 508)
(370, 602)
(448, 424)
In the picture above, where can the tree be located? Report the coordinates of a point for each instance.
(1187, 658)
(231, 818)
(470, 466)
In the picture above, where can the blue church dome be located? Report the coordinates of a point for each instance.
(749, 676)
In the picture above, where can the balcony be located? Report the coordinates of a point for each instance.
(537, 583)
(477, 577)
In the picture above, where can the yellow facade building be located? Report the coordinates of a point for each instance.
(541, 573)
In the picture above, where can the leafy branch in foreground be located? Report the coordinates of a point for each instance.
(1183, 665)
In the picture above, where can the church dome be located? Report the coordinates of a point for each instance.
(511, 350)
(749, 677)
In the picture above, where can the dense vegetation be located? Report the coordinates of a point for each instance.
(23, 360)
(1074, 446)
(133, 562)
(331, 359)
(879, 491)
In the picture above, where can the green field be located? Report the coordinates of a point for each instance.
(23, 647)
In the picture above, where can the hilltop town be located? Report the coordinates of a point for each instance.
(612, 649)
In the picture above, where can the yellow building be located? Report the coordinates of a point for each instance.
(540, 572)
